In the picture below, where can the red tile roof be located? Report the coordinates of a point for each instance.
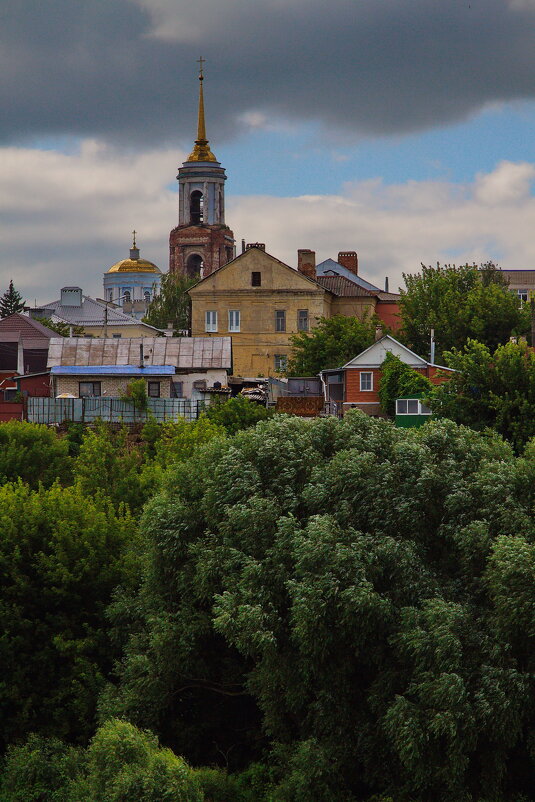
(25, 326)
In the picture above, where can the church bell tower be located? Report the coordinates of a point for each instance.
(201, 242)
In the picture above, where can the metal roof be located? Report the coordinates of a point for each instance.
(342, 286)
(91, 313)
(330, 267)
(180, 352)
(112, 370)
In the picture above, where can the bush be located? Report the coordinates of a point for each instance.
(40, 769)
(33, 453)
(236, 413)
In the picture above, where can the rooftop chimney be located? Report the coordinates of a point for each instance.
(306, 262)
(350, 260)
(260, 245)
(386, 283)
(378, 332)
(71, 296)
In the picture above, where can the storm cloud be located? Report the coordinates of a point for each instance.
(124, 70)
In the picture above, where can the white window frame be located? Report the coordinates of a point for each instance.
(234, 320)
(419, 410)
(210, 320)
(361, 382)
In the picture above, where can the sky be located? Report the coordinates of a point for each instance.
(402, 129)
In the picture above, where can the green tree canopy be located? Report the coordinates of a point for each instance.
(236, 413)
(121, 763)
(458, 303)
(172, 304)
(61, 557)
(491, 389)
(398, 380)
(11, 301)
(330, 344)
(342, 596)
(32, 453)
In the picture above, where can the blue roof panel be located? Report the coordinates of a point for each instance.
(112, 370)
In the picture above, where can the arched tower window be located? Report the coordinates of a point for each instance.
(146, 296)
(194, 265)
(196, 208)
(127, 296)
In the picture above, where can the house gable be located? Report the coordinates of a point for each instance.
(374, 356)
(235, 276)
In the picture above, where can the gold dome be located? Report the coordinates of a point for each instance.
(134, 266)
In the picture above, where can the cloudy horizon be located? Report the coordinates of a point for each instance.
(402, 130)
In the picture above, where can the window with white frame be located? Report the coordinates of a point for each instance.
(233, 319)
(210, 320)
(366, 381)
(411, 406)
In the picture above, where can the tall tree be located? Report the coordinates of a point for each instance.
(458, 303)
(344, 595)
(491, 389)
(172, 304)
(330, 344)
(11, 301)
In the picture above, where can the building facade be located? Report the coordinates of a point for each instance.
(202, 242)
(356, 384)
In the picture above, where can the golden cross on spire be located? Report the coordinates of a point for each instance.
(134, 232)
(201, 61)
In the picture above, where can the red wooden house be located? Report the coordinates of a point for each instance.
(356, 384)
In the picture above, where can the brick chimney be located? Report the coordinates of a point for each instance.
(306, 262)
(350, 260)
(378, 332)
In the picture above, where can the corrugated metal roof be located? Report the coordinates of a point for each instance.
(112, 370)
(330, 267)
(342, 286)
(180, 352)
(91, 313)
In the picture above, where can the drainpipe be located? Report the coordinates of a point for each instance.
(20, 357)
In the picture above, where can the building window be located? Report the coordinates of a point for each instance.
(10, 394)
(256, 278)
(196, 208)
(210, 320)
(281, 362)
(153, 389)
(110, 295)
(523, 296)
(89, 389)
(411, 406)
(302, 320)
(127, 296)
(366, 382)
(280, 320)
(116, 336)
(146, 296)
(176, 390)
(233, 319)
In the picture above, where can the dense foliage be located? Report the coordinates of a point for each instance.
(330, 344)
(11, 301)
(458, 303)
(33, 454)
(399, 380)
(172, 304)
(494, 390)
(121, 763)
(236, 413)
(61, 557)
(348, 601)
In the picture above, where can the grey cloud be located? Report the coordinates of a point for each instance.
(359, 67)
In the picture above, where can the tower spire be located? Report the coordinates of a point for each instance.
(201, 152)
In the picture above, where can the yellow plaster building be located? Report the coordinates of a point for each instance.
(259, 302)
